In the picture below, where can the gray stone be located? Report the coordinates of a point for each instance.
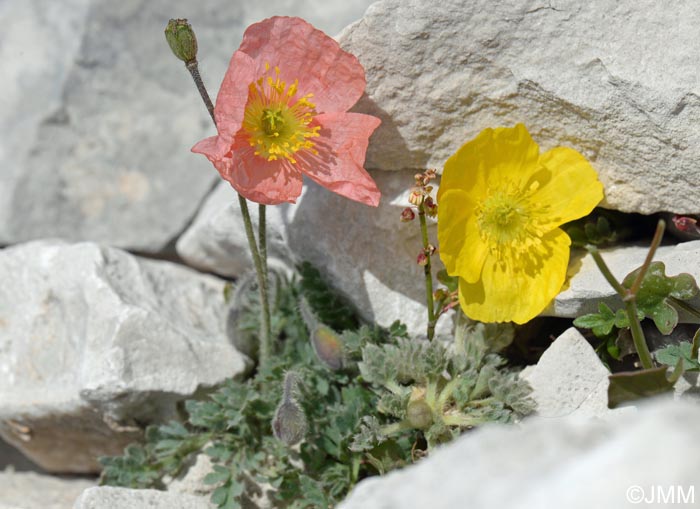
(123, 498)
(99, 116)
(29, 490)
(616, 80)
(588, 287)
(569, 379)
(95, 341)
(572, 462)
(365, 252)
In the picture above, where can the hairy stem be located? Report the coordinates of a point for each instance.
(427, 269)
(259, 255)
(193, 67)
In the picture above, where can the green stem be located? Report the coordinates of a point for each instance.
(629, 300)
(640, 343)
(260, 266)
(655, 242)
(262, 236)
(265, 345)
(603, 267)
(427, 270)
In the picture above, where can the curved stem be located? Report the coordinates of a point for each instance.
(428, 273)
(655, 242)
(260, 262)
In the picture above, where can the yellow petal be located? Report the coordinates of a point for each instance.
(461, 248)
(567, 186)
(505, 154)
(517, 289)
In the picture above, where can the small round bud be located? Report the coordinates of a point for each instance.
(419, 414)
(181, 39)
(430, 250)
(416, 197)
(422, 259)
(407, 215)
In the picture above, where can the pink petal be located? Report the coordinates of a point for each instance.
(342, 145)
(257, 179)
(302, 52)
(233, 96)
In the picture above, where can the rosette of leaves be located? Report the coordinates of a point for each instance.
(429, 393)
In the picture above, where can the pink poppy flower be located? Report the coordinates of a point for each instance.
(281, 113)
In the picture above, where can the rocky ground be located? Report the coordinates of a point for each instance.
(117, 240)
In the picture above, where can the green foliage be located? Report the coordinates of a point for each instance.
(353, 426)
(602, 322)
(427, 390)
(657, 290)
(685, 351)
(591, 230)
(331, 309)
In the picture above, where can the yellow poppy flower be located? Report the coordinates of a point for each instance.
(500, 205)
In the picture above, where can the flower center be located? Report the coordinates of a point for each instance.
(503, 217)
(276, 121)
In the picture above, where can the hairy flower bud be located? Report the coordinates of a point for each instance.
(328, 347)
(422, 259)
(407, 215)
(181, 39)
(289, 423)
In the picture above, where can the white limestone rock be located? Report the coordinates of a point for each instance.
(588, 287)
(96, 342)
(30, 490)
(124, 498)
(573, 462)
(365, 252)
(616, 80)
(99, 116)
(569, 379)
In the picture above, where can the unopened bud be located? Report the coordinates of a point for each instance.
(431, 174)
(418, 412)
(440, 294)
(407, 215)
(416, 197)
(181, 39)
(289, 423)
(685, 224)
(328, 347)
(422, 259)
(430, 250)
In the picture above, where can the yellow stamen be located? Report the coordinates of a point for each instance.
(277, 123)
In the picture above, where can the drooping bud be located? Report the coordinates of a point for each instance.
(328, 347)
(289, 423)
(422, 259)
(181, 39)
(418, 412)
(407, 215)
